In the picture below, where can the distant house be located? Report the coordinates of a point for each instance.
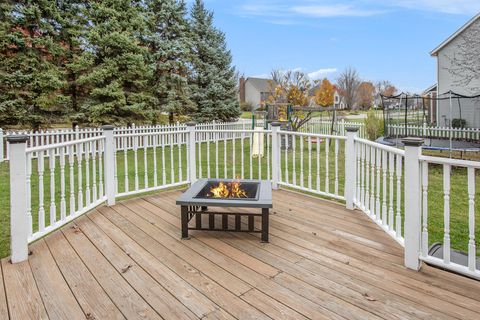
(463, 45)
(255, 91)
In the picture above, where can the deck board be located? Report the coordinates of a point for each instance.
(322, 262)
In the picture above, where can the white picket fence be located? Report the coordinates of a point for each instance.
(321, 126)
(426, 131)
(58, 182)
(54, 136)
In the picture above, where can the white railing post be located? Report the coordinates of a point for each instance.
(275, 156)
(413, 202)
(18, 199)
(1, 145)
(350, 167)
(192, 171)
(109, 163)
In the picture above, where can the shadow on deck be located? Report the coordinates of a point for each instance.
(322, 262)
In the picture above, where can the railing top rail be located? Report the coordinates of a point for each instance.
(452, 162)
(380, 146)
(63, 144)
(319, 135)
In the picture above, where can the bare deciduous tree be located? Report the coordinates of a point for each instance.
(465, 61)
(348, 82)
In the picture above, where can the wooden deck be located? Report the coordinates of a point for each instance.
(322, 262)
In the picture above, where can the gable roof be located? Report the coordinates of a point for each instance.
(432, 88)
(434, 52)
(262, 85)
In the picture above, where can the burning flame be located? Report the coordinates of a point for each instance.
(228, 190)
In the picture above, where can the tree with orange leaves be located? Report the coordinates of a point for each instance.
(325, 93)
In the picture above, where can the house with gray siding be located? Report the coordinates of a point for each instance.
(458, 68)
(255, 91)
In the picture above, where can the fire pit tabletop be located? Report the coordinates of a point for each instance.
(264, 200)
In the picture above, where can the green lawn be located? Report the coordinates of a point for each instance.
(231, 168)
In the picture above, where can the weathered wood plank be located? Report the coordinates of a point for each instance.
(154, 241)
(3, 298)
(132, 305)
(164, 303)
(23, 298)
(93, 300)
(56, 295)
(182, 290)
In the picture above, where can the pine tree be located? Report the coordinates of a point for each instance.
(170, 45)
(72, 25)
(30, 75)
(117, 63)
(213, 77)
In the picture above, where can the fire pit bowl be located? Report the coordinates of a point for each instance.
(206, 193)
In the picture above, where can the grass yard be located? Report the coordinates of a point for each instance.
(173, 160)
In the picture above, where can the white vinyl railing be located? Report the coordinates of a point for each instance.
(56, 183)
(447, 166)
(311, 162)
(76, 168)
(378, 191)
(427, 131)
(54, 136)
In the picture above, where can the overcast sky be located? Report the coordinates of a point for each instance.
(388, 40)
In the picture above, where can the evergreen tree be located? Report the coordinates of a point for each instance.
(30, 76)
(213, 77)
(170, 45)
(72, 25)
(116, 63)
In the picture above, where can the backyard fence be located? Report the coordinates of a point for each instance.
(55, 183)
(319, 125)
(426, 131)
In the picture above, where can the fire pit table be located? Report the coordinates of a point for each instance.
(206, 193)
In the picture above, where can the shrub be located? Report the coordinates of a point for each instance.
(459, 123)
(246, 106)
(373, 125)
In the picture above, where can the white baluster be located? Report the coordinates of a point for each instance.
(233, 158)
(164, 172)
(327, 165)
(251, 156)
(294, 161)
(87, 174)
(71, 160)
(93, 151)
(384, 156)
(225, 155)
(208, 155)
(199, 143)
(398, 218)
(172, 163)
(180, 170)
(391, 170)
(446, 213)
(286, 159)
(367, 179)
(242, 137)
(216, 154)
(425, 209)
(145, 161)
(301, 162)
(309, 142)
(53, 206)
(471, 219)
(135, 160)
(336, 167)
(29, 193)
(154, 152)
(378, 209)
(79, 176)
(125, 162)
(318, 164)
(63, 205)
(101, 190)
(372, 182)
(41, 210)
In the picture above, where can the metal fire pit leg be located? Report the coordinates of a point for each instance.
(264, 224)
(184, 218)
